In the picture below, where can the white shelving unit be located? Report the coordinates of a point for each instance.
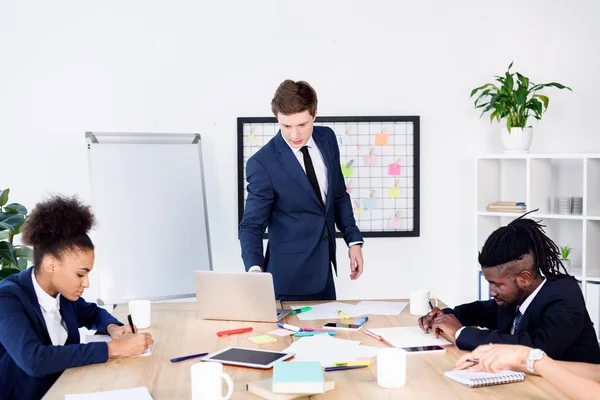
(536, 179)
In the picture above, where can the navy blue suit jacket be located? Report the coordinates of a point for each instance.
(29, 363)
(281, 198)
(556, 321)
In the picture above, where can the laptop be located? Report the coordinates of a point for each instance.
(237, 296)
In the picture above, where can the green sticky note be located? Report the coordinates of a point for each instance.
(346, 170)
(262, 339)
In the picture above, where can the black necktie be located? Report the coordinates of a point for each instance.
(310, 172)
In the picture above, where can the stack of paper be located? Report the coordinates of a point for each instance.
(330, 310)
(139, 393)
(328, 350)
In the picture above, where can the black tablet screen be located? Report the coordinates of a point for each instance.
(247, 356)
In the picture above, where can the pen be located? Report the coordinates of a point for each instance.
(362, 320)
(188, 357)
(474, 361)
(316, 330)
(301, 334)
(365, 363)
(289, 327)
(330, 369)
(380, 338)
(130, 323)
(301, 310)
(234, 331)
(430, 305)
(343, 314)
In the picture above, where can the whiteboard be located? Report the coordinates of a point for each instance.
(148, 196)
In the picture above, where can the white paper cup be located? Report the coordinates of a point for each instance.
(391, 368)
(207, 383)
(141, 313)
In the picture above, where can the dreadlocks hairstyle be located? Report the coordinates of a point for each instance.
(521, 236)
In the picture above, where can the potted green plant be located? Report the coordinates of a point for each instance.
(514, 98)
(13, 258)
(565, 252)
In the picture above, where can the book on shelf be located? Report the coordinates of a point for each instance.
(507, 206)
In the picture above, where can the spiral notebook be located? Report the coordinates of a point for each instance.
(478, 379)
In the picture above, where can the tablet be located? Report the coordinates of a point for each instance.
(341, 326)
(253, 358)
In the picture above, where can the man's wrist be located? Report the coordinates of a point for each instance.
(355, 244)
(458, 332)
(255, 268)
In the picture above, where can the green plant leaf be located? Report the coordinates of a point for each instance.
(7, 251)
(22, 266)
(4, 196)
(521, 94)
(6, 272)
(11, 220)
(24, 252)
(15, 208)
(523, 79)
(544, 99)
(510, 66)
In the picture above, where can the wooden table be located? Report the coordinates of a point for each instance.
(177, 331)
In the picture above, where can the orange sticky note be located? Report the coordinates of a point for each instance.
(381, 139)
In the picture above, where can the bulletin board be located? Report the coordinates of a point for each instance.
(379, 160)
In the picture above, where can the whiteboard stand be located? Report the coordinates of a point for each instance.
(148, 195)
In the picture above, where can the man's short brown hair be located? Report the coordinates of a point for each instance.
(294, 97)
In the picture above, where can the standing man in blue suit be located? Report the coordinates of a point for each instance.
(297, 190)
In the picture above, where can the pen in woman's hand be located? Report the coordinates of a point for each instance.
(130, 323)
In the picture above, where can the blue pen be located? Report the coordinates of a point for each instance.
(188, 357)
(330, 369)
(362, 320)
(289, 327)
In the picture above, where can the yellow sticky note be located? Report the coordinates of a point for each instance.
(262, 339)
(394, 192)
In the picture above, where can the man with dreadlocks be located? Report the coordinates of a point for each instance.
(534, 303)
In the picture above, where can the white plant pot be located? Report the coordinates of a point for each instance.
(517, 140)
(567, 264)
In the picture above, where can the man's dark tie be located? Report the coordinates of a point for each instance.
(518, 320)
(310, 172)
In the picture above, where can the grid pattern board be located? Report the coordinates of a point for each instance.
(380, 164)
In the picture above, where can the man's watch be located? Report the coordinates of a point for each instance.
(533, 356)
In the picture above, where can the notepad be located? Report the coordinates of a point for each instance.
(107, 338)
(139, 393)
(262, 389)
(262, 339)
(298, 377)
(478, 379)
(409, 336)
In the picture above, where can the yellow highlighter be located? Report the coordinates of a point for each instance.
(343, 314)
(358, 363)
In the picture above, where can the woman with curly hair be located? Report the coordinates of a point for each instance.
(41, 308)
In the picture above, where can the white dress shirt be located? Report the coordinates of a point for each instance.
(522, 308)
(320, 172)
(50, 307)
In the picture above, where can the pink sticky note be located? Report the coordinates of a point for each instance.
(395, 223)
(369, 160)
(349, 190)
(394, 169)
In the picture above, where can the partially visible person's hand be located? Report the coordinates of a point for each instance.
(356, 261)
(447, 323)
(426, 321)
(116, 331)
(494, 358)
(129, 345)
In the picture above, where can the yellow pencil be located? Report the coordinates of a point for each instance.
(343, 314)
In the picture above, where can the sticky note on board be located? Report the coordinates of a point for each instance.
(370, 203)
(357, 209)
(369, 160)
(395, 222)
(347, 170)
(262, 339)
(394, 192)
(394, 169)
(381, 139)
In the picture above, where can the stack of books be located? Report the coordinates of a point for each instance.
(507, 206)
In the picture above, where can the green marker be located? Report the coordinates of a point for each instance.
(301, 310)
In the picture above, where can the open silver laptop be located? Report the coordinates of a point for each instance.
(237, 296)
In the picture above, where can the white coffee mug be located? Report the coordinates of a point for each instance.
(419, 302)
(391, 368)
(206, 381)
(141, 313)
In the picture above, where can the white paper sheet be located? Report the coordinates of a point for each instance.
(329, 310)
(107, 338)
(328, 350)
(139, 393)
(409, 336)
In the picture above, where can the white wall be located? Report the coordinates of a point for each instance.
(67, 67)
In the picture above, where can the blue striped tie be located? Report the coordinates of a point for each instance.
(518, 320)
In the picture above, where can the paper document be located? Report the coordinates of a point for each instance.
(329, 310)
(139, 393)
(107, 338)
(381, 307)
(328, 350)
(410, 336)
